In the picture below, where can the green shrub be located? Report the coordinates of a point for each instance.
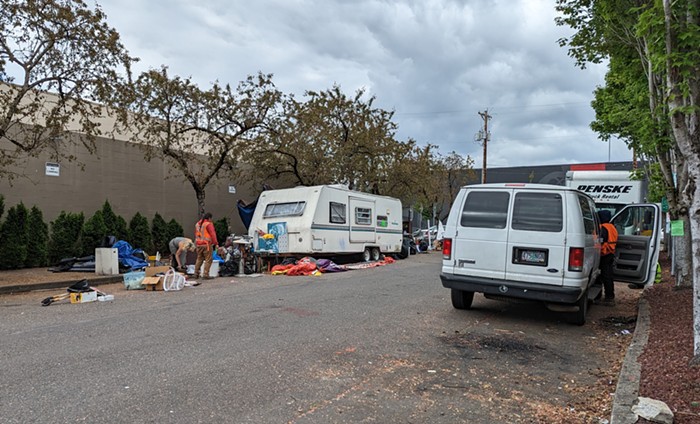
(65, 236)
(121, 232)
(94, 232)
(159, 232)
(38, 239)
(222, 231)
(115, 224)
(2, 205)
(140, 233)
(13, 238)
(175, 230)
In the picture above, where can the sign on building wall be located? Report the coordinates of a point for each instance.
(53, 169)
(232, 189)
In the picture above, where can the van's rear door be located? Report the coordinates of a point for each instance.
(481, 233)
(536, 250)
(638, 243)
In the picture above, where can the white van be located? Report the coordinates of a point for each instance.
(540, 242)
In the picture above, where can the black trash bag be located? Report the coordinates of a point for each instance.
(81, 286)
(228, 268)
(108, 241)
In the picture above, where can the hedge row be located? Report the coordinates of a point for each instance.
(25, 239)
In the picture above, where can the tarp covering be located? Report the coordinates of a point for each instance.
(246, 211)
(127, 255)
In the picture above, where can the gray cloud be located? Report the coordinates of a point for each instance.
(436, 63)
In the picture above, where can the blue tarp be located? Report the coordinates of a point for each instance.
(246, 212)
(127, 257)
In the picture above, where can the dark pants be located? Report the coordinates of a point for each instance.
(606, 275)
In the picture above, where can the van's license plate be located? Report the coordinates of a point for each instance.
(530, 256)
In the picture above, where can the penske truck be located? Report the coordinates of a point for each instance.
(610, 190)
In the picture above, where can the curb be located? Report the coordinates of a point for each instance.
(627, 389)
(23, 288)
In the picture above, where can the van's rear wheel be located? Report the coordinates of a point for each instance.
(462, 299)
(579, 317)
(366, 255)
(375, 253)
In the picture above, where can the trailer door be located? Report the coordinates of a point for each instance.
(362, 225)
(638, 243)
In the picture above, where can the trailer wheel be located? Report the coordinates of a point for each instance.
(366, 255)
(375, 253)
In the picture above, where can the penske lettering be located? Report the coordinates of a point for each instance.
(605, 188)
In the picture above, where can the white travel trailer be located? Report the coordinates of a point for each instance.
(327, 220)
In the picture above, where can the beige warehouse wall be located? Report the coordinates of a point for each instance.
(119, 173)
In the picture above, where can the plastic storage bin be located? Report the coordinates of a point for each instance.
(133, 280)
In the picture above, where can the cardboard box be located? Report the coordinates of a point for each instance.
(86, 297)
(153, 270)
(153, 283)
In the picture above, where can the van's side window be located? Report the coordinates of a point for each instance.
(538, 212)
(587, 212)
(485, 209)
(337, 213)
(363, 216)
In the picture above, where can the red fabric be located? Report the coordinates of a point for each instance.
(303, 268)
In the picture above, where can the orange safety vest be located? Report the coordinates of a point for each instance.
(609, 246)
(201, 233)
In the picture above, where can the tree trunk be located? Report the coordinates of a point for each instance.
(686, 130)
(200, 201)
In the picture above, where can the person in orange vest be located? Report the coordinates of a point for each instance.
(608, 233)
(205, 239)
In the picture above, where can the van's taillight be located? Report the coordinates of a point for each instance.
(447, 249)
(576, 259)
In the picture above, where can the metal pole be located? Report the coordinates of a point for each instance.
(485, 116)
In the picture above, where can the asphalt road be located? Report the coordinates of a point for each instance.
(373, 345)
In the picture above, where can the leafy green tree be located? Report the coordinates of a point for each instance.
(140, 233)
(93, 233)
(329, 138)
(65, 236)
(109, 218)
(13, 238)
(38, 239)
(175, 230)
(2, 205)
(61, 47)
(159, 233)
(198, 133)
(654, 42)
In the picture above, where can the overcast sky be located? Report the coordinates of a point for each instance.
(435, 63)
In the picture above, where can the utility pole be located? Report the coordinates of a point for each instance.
(483, 137)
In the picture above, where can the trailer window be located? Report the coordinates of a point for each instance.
(485, 209)
(382, 221)
(363, 216)
(538, 212)
(337, 213)
(284, 209)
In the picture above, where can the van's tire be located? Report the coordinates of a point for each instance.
(579, 317)
(375, 253)
(462, 299)
(366, 255)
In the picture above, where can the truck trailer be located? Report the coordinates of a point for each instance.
(610, 190)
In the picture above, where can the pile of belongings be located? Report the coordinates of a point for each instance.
(129, 258)
(81, 286)
(307, 266)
